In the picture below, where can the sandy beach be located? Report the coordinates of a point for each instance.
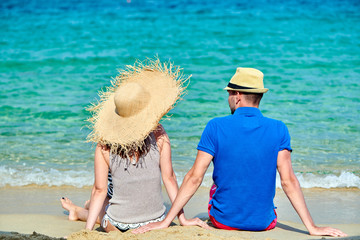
(57, 56)
(28, 209)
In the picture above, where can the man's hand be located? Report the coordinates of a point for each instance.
(195, 222)
(162, 225)
(150, 226)
(327, 231)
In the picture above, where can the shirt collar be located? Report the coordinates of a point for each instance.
(252, 111)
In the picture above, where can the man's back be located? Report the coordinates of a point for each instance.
(245, 147)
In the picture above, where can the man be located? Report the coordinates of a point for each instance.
(246, 149)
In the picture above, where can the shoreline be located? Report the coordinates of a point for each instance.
(37, 208)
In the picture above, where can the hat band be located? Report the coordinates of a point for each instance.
(234, 86)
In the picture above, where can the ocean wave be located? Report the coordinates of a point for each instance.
(343, 180)
(79, 178)
(44, 177)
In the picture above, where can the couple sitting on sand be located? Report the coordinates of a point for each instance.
(133, 151)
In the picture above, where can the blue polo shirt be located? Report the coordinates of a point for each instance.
(245, 146)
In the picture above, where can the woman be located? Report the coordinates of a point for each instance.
(134, 147)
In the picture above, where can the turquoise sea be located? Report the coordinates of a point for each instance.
(56, 55)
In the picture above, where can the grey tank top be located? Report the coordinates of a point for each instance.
(137, 193)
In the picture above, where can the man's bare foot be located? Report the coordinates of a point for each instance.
(68, 205)
(87, 205)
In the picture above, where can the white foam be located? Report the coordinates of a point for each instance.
(207, 181)
(23, 176)
(50, 177)
(311, 180)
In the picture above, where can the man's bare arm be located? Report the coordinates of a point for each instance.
(292, 189)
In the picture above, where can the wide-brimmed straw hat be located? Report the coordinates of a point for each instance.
(247, 80)
(132, 107)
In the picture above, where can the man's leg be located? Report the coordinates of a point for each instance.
(212, 219)
(272, 224)
(222, 226)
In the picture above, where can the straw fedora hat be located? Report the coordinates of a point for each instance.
(132, 107)
(247, 80)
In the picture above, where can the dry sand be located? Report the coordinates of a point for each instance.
(28, 209)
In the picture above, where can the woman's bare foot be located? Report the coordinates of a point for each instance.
(68, 205)
(87, 204)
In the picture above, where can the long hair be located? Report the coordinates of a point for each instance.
(137, 153)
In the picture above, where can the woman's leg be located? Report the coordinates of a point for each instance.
(110, 228)
(75, 212)
(78, 213)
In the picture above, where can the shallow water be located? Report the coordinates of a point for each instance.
(56, 56)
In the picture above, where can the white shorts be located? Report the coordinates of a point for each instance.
(127, 226)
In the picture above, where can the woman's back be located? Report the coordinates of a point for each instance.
(137, 193)
(127, 112)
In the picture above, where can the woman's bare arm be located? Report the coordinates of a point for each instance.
(98, 194)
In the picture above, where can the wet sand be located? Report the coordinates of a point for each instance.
(28, 209)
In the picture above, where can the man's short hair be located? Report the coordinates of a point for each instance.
(253, 98)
